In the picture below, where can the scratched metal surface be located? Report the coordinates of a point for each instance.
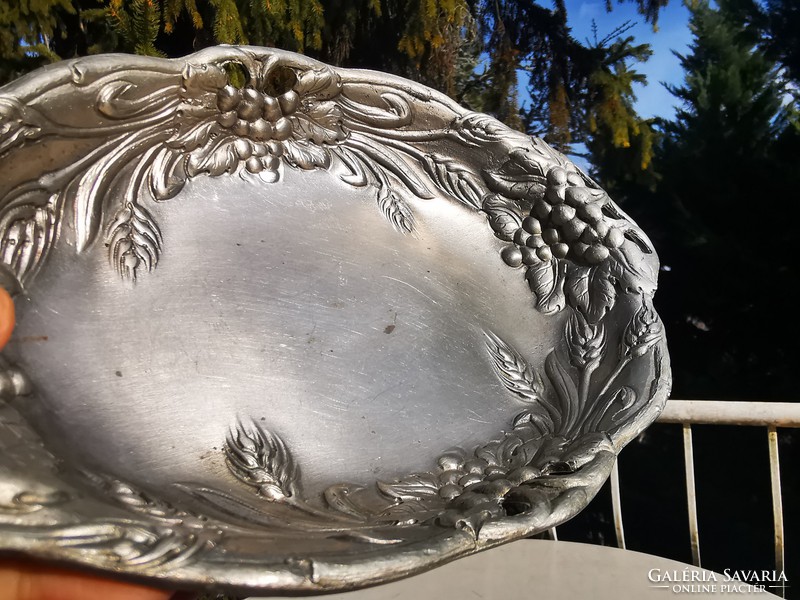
(322, 331)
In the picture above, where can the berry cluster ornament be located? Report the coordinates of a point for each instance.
(566, 222)
(261, 122)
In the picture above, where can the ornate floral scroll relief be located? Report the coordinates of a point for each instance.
(568, 424)
(147, 126)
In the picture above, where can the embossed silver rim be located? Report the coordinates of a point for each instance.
(154, 124)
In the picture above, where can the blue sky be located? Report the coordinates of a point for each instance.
(673, 34)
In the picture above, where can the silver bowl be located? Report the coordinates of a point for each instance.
(315, 331)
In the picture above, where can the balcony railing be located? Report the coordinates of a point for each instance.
(770, 415)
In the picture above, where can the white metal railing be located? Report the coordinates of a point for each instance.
(712, 412)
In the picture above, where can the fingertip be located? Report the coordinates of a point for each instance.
(7, 316)
(28, 581)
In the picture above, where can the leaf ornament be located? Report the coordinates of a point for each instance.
(260, 459)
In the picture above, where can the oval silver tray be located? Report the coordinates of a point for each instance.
(303, 334)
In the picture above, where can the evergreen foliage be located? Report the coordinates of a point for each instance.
(620, 143)
(776, 25)
(439, 42)
(579, 93)
(28, 31)
(722, 211)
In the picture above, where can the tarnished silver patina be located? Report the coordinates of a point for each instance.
(323, 330)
